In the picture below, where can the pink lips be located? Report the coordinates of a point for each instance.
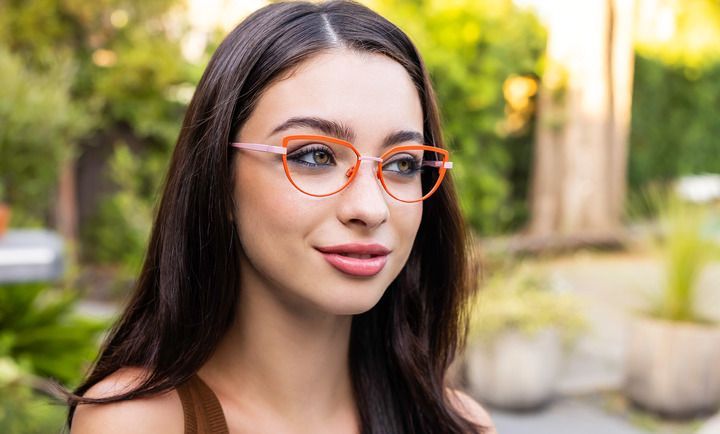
(337, 257)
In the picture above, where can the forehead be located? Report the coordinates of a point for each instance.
(370, 93)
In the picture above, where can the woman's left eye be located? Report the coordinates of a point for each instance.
(403, 166)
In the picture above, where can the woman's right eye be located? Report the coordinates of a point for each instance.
(312, 156)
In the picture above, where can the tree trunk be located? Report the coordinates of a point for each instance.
(66, 210)
(579, 172)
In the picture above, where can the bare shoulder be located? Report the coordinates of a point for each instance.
(471, 409)
(159, 413)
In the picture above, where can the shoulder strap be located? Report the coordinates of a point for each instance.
(201, 408)
(188, 404)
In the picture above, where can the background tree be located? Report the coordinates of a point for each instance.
(676, 94)
(125, 77)
(484, 57)
(580, 161)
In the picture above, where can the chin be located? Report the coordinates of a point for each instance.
(354, 310)
(345, 304)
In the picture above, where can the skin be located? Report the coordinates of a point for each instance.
(283, 366)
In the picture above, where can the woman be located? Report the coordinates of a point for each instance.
(307, 269)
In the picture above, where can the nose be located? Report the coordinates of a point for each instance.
(364, 201)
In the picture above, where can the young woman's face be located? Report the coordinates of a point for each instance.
(282, 228)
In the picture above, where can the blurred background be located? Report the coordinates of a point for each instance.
(585, 141)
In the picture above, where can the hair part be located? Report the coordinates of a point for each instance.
(400, 350)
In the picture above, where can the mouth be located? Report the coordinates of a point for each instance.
(373, 249)
(358, 256)
(356, 260)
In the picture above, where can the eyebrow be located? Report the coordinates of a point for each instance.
(344, 132)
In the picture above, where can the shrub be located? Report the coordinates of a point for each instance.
(41, 332)
(521, 298)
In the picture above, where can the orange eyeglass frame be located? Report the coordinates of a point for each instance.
(442, 165)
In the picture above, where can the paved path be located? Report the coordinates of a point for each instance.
(566, 416)
(711, 427)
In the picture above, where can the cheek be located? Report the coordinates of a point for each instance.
(406, 222)
(260, 209)
(415, 216)
(270, 214)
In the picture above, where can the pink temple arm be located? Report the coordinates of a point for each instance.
(259, 147)
(447, 164)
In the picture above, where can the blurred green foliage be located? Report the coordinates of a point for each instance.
(77, 75)
(87, 74)
(39, 122)
(23, 410)
(520, 297)
(688, 36)
(676, 96)
(675, 122)
(471, 48)
(686, 242)
(41, 331)
(127, 209)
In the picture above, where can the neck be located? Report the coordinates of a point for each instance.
(284, 361)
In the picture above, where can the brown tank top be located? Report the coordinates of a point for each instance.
(202, 410)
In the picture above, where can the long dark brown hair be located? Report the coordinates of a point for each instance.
(187, 291)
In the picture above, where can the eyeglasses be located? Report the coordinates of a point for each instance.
(321, 166)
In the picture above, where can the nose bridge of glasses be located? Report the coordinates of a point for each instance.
(360, 159)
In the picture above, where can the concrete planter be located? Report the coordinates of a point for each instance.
(515, 370)
(673, 368)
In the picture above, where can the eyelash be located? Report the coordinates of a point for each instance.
(417, 164)
(296, 158)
